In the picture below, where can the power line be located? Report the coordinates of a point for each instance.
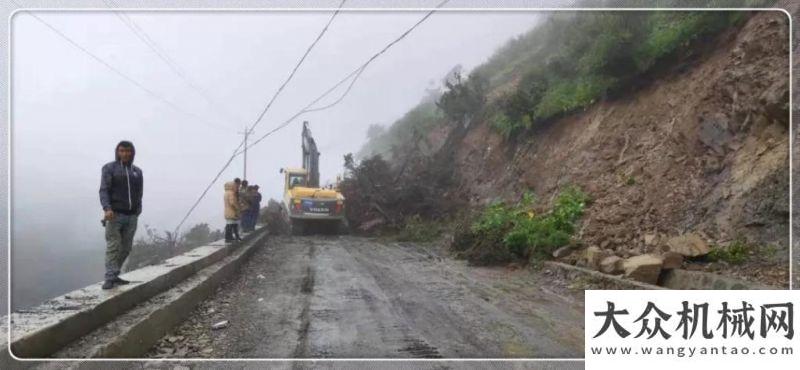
(354, 75)
(118, 72)
(162, 54)
(294, 70)
(262, 114)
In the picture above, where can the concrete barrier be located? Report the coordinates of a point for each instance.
(692, 280)
(669, 279)
(133, 333)
(41, 331)
(596, 278)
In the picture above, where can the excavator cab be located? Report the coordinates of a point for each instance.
(296, 180)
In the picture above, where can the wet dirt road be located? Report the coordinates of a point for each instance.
(351, 297)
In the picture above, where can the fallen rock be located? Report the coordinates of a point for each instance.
(562, 252)
(220, 325)
(593, 256)
(644, 268)
(649, 239)
(611, 265)
(688, 245)
(672, 260)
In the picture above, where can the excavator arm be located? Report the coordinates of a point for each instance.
(310, 156)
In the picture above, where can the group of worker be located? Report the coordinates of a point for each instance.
(242, 203)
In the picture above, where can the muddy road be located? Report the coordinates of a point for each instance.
(350, 297)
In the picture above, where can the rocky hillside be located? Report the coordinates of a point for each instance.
(691, 154)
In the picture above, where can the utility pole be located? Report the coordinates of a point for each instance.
(246, 134)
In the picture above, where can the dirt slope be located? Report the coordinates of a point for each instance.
(702, 148)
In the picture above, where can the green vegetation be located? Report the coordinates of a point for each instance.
(736, 253)
(581, 58)
(565, 64)
(517, 232)
(508, 127)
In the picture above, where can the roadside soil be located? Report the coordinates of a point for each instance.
(701, 148)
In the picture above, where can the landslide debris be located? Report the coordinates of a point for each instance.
(684, 154)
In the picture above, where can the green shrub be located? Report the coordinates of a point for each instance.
(499, 217)
(569, 95)
(736, 253)
(507, 126)
(526, 235)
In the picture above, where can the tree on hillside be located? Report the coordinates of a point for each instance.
(463, 98)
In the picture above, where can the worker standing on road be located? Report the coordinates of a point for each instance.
(250, 215)
(232, 212)
(255, 206)
(121, 188)
(244, 204)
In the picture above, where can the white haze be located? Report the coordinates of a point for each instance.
(69, 111)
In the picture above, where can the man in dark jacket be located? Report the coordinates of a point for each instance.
(255, 206)
(121, 185)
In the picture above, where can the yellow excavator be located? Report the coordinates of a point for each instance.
(306, 205)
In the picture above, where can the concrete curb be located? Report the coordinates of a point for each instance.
(604, 281)
(685, 279)
(43, 330)
(671, 279)
(132, 334)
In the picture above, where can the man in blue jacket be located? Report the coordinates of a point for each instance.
(121, 185)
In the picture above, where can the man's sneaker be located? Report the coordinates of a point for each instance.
(108, 284)
(120, 281)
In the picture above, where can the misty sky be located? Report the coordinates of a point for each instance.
(69, 111)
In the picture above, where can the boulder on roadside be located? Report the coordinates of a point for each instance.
(562, 252)
(644, 268)
(672, 260)
(593, 256)
(611, 265)
(688, 245)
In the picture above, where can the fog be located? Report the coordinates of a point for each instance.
(69, 111)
